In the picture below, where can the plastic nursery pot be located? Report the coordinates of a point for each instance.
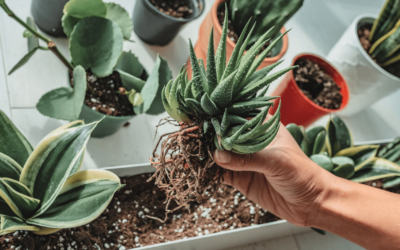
(211, 21)
(295, 106)
(47, 15)
(367, 81)
(157, 28)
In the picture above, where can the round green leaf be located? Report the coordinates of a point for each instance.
(85, 8)
(342, 160)
(323, 161)
(96, 44)
(129, 63)
(68, 23)
(345, 171)
(119, 15)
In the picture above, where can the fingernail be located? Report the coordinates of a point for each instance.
(223, 156)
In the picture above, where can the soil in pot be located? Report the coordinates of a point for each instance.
(124, 224)
(363, 34)
(175, 8)
(102, 95)
(317, 85)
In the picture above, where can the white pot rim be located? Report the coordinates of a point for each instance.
(363, 52)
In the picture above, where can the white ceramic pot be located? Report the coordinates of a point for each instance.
(367, 81)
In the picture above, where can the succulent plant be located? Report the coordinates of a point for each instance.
(268, 14)
(42, 189)
(385, 34)
(332, 148)
(223, 96)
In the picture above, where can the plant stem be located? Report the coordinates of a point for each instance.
(50, 44)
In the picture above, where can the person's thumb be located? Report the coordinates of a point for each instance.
(236, 162)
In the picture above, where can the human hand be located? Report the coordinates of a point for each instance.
(280, 178)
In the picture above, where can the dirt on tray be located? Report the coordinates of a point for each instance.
(317, 85)
(174, 8)
(363, 35)
(124, 224)
(102, 95)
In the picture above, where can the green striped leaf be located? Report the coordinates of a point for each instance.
(9, 168)
(200, 83)
(345, 171)
(377, 169)
(220, 55)
(52, 161)
(387, 19)
(361, 155)
(12, 142)
(211, 70)
(339, 136)
(84, 196)
(5, 209)
(18, 186)
(223, 93)
(11, 223)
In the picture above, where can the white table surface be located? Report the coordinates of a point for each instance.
(315, 28)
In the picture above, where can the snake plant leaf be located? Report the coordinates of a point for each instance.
(23, 61)
(376, 169)
(12, 223)
(211, 70)
(361, 155)
(118, 14)
(22, 205)
(339, 136)
(85, 8)
(54, 103)
(223, 93)
(52, 161)
(151, 92)
(296, 132)
(5, 209)
(209, 106)
(84, 196)
(9, 168)
(129, 63)
(323, 161)
(68, 23)
(386, 46)
(220, 55)
(391, 151)
(312, 135)
(386, 20)
(33, 41)
(345, 171)
(96, 44)
(130, 82)
(12, 142)
(18, 186)
(391, 182)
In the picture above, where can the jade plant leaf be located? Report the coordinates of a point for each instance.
(84, 196)
(151, 92)
(52, 161)
(65, 103)
(85, 8)
(12, 142)
(96, 44)
(119, 15)
(129, 63)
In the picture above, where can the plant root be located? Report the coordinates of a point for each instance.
(186, 169)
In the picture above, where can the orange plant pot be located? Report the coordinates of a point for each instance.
(295, 106)
(211, 21)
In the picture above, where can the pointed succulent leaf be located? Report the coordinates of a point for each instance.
(259, 128)
(206, 127)
(217, 125)
(174, 113)
(339, 136)
(12, 142)
(22, 205)
(129, 63)
(261, 41)
(225, 123)
(243, 107)
(12, 223)
(234, 119)
(263, 92)
(244, 46)
(209, 106)
(194, 105)
(376, 169)
(361, 155)
(84, 196)
(345, 171)
(96, 44)
(220, 55)
(322, 161)
(23, 61)
(211, 70)
(200, 83)
(9, 168)
(223, 93)
(262, 73)
(119, 15)
(85, 8)
(53, 103)
(52, 161)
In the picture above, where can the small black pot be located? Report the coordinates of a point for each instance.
(47, 15)
(157, 28)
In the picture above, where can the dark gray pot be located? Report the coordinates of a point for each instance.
(157, 28)
(47, 15)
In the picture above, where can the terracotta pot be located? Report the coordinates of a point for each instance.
(211, 21)
(296, 107)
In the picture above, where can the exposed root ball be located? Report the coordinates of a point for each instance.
(186, 170)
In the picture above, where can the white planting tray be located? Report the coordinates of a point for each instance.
(221, 240)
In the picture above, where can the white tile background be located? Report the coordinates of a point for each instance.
(315, 28)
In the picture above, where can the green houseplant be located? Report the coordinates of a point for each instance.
(332, 148)
(42, 189)
(96, 31)
(213, 109)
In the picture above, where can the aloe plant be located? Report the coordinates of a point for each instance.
(332, 148)
(42, 189)
(224, 95)
(96, 31)
(385, 34)
(268, 14)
